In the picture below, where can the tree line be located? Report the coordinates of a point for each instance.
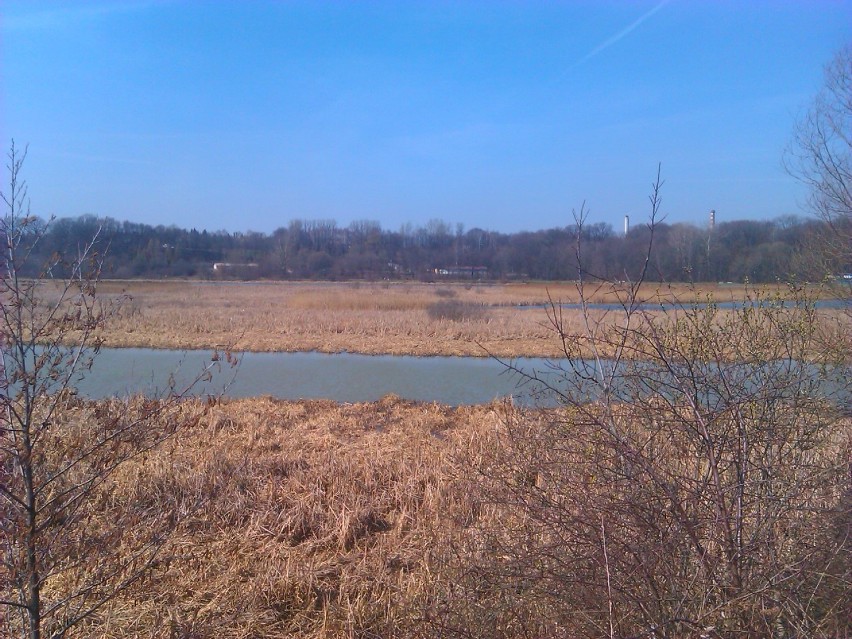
(758, 251)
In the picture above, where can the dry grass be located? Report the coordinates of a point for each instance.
(314, 519)
(384, 318)
(303, 519)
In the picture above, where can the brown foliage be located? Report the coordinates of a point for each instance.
(370, 319)
(317, 519)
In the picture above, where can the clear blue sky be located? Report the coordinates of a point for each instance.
(501, 115)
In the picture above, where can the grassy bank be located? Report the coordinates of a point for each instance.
(384, 318)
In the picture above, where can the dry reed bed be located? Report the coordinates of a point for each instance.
(385, 318)
(314, 519)
(305, 519)
(325, 318)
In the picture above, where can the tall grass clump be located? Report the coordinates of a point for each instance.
(457, 311)
(300, 519)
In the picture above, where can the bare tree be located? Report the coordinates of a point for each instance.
(686, 476)
(821, 156)
(60, 560)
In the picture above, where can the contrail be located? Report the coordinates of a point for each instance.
(618, 36)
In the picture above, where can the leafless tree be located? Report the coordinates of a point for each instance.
(821, 157)
(60, 560)
(687, 477)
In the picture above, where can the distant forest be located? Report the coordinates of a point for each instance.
(760, 251)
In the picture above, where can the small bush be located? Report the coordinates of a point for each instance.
(456, 311)
(445, 292)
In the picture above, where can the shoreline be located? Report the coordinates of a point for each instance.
(393, 319)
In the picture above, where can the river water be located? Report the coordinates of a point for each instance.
(832, 304)
(348, 377)
(343, 377)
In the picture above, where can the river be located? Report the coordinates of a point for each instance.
(343, 377)
(349, 377)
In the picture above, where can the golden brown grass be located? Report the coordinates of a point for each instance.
(310, 519)
(383, 318)
(314, 519)
(303, 519)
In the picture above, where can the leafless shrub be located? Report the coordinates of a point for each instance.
(61, 560)
(457, 311)
(445, 292)
(694, 481)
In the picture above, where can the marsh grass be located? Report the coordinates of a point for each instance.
(303, 519)
(386, 318)
(315, 519)
(457, 311)
(354, 301)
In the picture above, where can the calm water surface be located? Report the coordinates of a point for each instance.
(722, 305)
(343, 377)
(347, 377)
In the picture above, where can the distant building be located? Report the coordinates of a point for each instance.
(467, 272)
(223, 266)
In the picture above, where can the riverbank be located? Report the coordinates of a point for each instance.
(420, 319)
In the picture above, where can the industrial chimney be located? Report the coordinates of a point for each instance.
(626, 225)
(712, 219)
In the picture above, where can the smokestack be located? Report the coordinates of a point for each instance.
(626, 225)
(712, 219)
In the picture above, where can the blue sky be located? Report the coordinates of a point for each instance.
(500, 115)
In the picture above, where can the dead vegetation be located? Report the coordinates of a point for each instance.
(304, 519)
(385, 318)
(398, 519)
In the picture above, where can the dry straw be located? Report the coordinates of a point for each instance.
(388, 318)
(305, 519)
